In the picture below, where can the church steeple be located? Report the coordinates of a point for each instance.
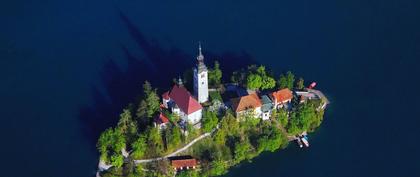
(200, 57)
(200, 60)
(200, 78)
(180, 83)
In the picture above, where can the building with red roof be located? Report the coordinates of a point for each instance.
(181, 164)
(161, 121)
(246, 105)
(281, 97)
(181, 102)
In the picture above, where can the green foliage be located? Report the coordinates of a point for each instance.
(188, 173)
(104, 143)
(110, 143)
(229, 124)
(220, 137)
(286, 81)
(218, 167)
(126, 124)
(242, 149)
(300, 84)
(150, 104)
(305, 118)
(254, 81)
(154, 141)
(174, 137)
(117, 160)
(290, 79)
(271, 139)
(209, 121)
(139, 147)
(215, 75)
(282, 82)
(214, 95)
(282, 117)
(259, 79)
(268, 83)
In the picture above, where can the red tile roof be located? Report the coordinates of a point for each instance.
(184, 163)
(184, 100)
(161, 119)
(165, 95)
(246, 102)
(282, 95)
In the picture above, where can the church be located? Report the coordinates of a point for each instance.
(181, 102)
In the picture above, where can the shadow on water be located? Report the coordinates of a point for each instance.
(158, 65)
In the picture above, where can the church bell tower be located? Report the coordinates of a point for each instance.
(201, 89)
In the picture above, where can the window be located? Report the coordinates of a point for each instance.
(202, 83)
(202, 75)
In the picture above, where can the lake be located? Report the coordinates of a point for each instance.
(69, 67)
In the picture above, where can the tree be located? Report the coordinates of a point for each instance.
(283, 83)
(290, 79)
(117, 160)
(300, 84)
(209, 121)
(220, 137)
(268, 83)
(282, 117)
(149, 105)
(142, 109)
(229, 124)
(254, 81)
(154, 140)
(126, 124)
(139, 147)
(215, 75)
(218, 167)
(105, 142)
(174, 138)
(110, 143)
(188, 173)
(241, 150)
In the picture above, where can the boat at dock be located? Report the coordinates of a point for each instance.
(305, 141)
(299, 142)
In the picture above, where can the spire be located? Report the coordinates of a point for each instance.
(199, 49)
(200, 56)
(180, 81)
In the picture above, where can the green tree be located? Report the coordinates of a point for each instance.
(188, 173)
(209, 121)
(229, 124)
(283, 83)
(290, 79)
(126, 124)
(254, 81)
(300, 84)
(174, 138)
(218, 167)
(104, 143)
(150, 104)
(282, 117)
(117, 160)
(220, 137)
(215, 75)
(242, 149)
(119, 141)
(154, 140)
(268, 83)
(139, 147)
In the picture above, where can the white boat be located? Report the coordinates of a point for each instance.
(299, 142)
(305, 141)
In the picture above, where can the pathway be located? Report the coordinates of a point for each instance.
(177, 151)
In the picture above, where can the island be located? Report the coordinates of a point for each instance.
(217, 126)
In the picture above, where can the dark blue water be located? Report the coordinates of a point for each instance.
(68, 67)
